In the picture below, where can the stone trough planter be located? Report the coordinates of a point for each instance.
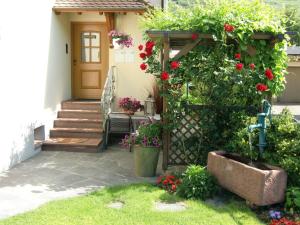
(261, 184)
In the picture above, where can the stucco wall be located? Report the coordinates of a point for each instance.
(131, 81)
(35, 74)
(292, 91)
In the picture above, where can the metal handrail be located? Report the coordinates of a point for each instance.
(108, 94)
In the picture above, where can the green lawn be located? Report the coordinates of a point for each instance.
(138, 209)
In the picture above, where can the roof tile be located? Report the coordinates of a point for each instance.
(101, 4)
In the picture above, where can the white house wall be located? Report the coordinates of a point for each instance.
(35, 74)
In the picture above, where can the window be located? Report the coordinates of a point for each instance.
(90, 47)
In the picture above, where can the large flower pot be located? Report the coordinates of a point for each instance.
(260, 184)
(146, 160)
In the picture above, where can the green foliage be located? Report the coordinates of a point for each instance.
(292, 203)
(283, 149)
(197, 183)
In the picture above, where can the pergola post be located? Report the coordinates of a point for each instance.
(166, 132)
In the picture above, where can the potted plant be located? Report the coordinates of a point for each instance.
(146, 143)
(129, 105)
(120, 40)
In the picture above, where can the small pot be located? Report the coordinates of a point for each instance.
(116, 44)
(146, 160)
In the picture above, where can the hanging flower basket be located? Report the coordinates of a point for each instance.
(120, 40)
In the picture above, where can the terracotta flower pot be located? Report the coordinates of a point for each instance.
(146, 160)
(260, 184)
(129, 112)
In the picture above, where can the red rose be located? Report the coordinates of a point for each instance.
(165, 182)
(143, 66)
(261, 87)
(173, 187)
(150, 44)
(164, 76)
(228, 27)
(143, 55)
(149, 52)
(237, 56)
(175, 65)
(239, 66)
(269, 74)
(141, 47)
(194, 37)
(252, 66)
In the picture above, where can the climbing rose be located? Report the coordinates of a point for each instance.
(143, 55)
(149, 52)
(143, 66)
(175, 65)
(150, 44)
(194, 37)
(252, 66)
(237, 56)
(239, 66)
(228, 27)
(164, 76)
(261, 87)
(269, 74)
(141, 47)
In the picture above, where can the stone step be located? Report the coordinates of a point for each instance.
(75, 133)
(81, 105)
(77, 123)
(80, 114)
(90, 145)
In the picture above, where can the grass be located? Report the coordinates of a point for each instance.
(138, 209)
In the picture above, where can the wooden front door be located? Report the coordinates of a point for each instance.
(89, 59)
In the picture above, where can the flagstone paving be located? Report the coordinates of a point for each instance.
(55, 175)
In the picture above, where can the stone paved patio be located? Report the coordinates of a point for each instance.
(55, 175)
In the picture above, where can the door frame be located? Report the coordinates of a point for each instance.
(73, 47)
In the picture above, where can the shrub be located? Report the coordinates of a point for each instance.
(292, 204)
(197, 183)
(283, 145)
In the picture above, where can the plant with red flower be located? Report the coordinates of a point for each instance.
(228, 27)
(194, 37)
(261, 87)
(284, 221)
(269, 74)
(164, 76)
(169, 183)
(150, 44)
(239, 66)
(175, 65)
(141, 47)
(237, 56)
(143, 55)
(149, 52)
(143, 66)
(252, 66)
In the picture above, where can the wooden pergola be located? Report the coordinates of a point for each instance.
(183, 42)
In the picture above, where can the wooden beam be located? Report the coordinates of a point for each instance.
(101, 13)
(188, 34)
(110, 23)
(185, 50)
(79, 13)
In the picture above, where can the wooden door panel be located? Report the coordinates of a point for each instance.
(90, 59)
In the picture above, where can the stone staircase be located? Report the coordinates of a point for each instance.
(78, 128)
